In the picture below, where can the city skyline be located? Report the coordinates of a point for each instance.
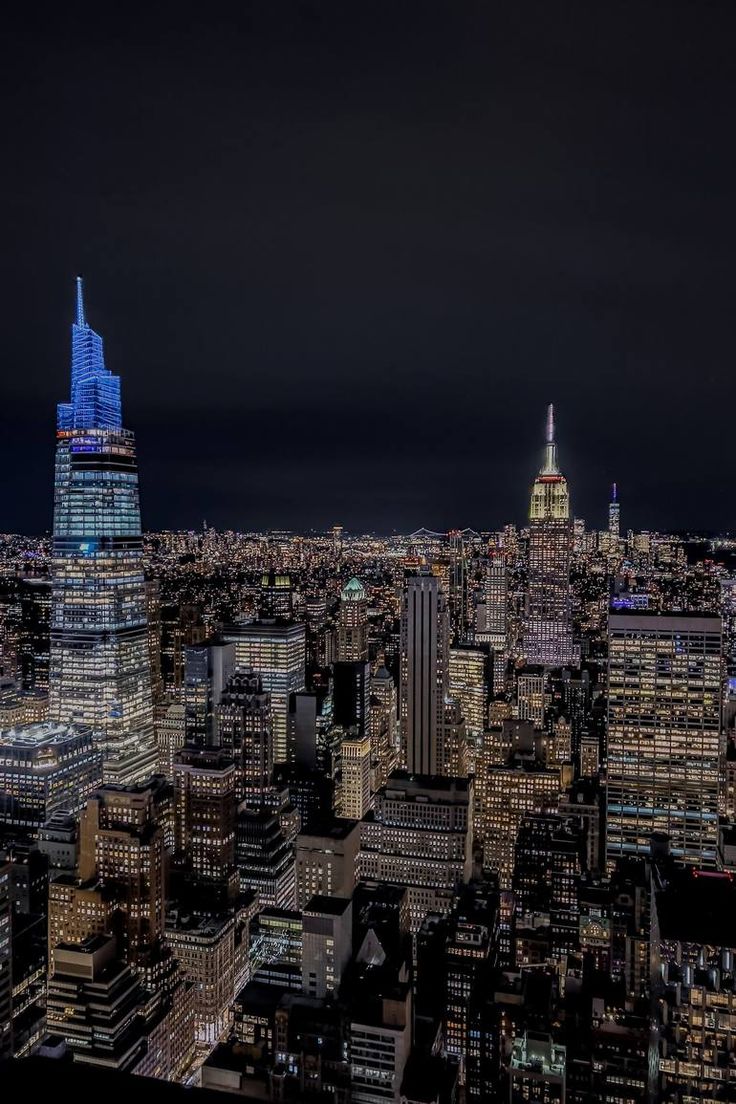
(295, 230)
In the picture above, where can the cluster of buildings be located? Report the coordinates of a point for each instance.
(427, 818)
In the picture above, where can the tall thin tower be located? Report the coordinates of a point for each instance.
(424, 673)
(548, 636)
(100, 672)
(614, 514)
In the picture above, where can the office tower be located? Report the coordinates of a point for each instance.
(94, 1002)
(45, 768)
(181, 626)
(6, 975)
(511, 780)
(492, 610)
(275, 599)
(302, 730)
(28, 924)
(419, 835)
(264, 856)
(537, 1070)
(276, 948)
(121, 843)
(469, 675)
(100, 671)
(170, 726)
(457, 590)
(205, 785)
(548, 634)
(424, 657)
(382, 726)
(352, 623)
(207, 668)
(351, 691)
(35, 626)
(277, 652)
(153, 617)
(326, 944)
(355, 781)
(453, 749)
(614, 515)
(530, 698)
(471, 949)
(665, 741)
(245, 731)
(326, 860)
(337, 531)
(548, 859)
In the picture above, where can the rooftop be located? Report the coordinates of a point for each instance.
(42, 733)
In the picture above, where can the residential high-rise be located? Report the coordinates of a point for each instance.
(665, 739)
(424, 675)
(205, 783)
(352, 623)
(245, 730)
(121, 842)
(100, 669)
(548, 633)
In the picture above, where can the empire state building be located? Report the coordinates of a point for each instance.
(548, 633)
(100, 671)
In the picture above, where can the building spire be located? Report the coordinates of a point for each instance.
(550, 424)
(550, 465)
(81, 320)
(614, 494)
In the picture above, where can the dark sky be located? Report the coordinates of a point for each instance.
(342, 255)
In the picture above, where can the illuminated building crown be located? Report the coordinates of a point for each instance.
(550, 495)
(95, 392)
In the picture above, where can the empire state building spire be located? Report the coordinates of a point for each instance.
(550, 465)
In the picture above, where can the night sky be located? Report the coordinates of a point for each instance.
(343, 254)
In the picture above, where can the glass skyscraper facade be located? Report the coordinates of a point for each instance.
(665, 741)
(100, 671)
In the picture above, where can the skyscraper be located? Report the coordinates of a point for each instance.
(100, 672)
(424, 660)
(614, 515)
(277, 651)
(665, 743)
(352, 625)
(548, 637)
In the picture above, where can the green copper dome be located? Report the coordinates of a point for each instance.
(353, 591)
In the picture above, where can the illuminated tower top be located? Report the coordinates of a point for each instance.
(614, 513)
(95, 392)
(550, 496)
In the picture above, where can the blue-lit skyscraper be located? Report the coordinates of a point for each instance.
(100, 671)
